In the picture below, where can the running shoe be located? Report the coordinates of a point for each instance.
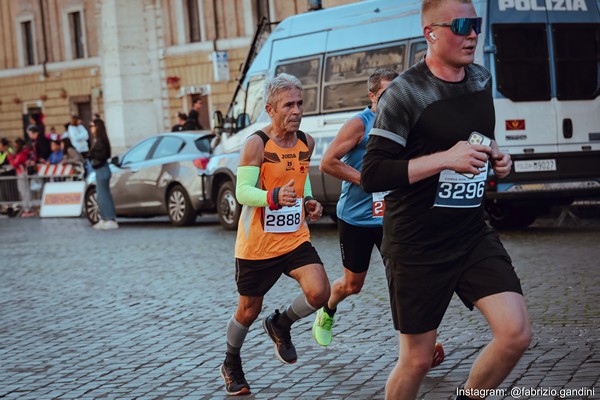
(438, 355)
(322, 328)
(284, 348)
(233, 374)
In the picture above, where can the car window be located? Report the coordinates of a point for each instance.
(168, 146)
(203, 144)
(138, 152)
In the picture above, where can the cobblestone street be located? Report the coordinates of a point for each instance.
(140, 312)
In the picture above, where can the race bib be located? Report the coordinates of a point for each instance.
(379, 203)
(284, 220)
(458, 191)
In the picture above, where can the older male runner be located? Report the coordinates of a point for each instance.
(273, 236)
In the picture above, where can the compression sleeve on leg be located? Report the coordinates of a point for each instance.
(246, 191)
(236, 333)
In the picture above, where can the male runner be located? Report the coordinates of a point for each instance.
(273, 237)
(436, 241)
(359, 213)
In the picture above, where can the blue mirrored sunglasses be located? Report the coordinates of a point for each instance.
(462, 26)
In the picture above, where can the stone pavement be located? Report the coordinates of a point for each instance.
(140, 313)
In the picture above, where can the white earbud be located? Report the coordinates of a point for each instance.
(432, 36)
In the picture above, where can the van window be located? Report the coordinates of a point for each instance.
(417, 52)
(309, 73)
(255, 99)
(168, 146)
(522, 68)
(577, 60)
(345, 81)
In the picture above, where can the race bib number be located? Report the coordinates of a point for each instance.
(379, 203)
(458, 191)
(284, 220)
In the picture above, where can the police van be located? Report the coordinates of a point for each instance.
(544, 56)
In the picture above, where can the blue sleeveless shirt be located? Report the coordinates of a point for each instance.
(355, 206)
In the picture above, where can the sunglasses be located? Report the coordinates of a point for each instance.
(462, 26)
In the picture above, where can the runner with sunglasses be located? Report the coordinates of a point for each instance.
(435, 238)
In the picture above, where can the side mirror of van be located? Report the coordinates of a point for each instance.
(115, 161)
(217, 120)
(242, 121)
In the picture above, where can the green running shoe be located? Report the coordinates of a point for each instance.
(322, 328)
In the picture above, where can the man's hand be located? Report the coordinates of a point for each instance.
(501, 162)
(314, 209)
(287, 195)
(467, 158)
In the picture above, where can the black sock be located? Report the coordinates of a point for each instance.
(284, 321)
(329, 311)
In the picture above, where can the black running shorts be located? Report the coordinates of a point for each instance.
(420, 294)
(356, 245)
(257, 277)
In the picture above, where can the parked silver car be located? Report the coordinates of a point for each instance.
(161, 175)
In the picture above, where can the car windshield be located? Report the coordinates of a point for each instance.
(203, 144)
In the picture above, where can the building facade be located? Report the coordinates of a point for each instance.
(136, 63)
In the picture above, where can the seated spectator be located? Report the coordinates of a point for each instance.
(52, 134)
(57, 154)
(70, 155)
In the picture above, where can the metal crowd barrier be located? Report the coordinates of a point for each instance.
(22, 193)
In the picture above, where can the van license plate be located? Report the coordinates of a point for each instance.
(535, 165)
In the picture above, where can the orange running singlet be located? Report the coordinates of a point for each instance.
(279, 166)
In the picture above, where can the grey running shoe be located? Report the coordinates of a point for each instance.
(284, 348)
(233, 374)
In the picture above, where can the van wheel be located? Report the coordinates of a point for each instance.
(181, 212)
(506, 216)
(228, 208)
(91, 206)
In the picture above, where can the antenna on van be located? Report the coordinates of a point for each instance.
(257, 42)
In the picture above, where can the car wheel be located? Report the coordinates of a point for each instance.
(228, 208)
(181, 212)
(92, 212)
(506, 216)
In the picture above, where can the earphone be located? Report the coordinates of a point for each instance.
(431, 35)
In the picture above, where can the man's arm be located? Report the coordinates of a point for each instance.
(347, 138)
(384, 168)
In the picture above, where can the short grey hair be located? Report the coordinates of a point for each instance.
(280, 83)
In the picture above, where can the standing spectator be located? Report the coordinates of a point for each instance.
(181, 119)
(36, 120)
(193, 120)
(56, 156)
(79, 136)
(41, 145)
(8, 186)
(21, 155)
(70, 155)
(99, 154)
(435, 245)
(5, 150)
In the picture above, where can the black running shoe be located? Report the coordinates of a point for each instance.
(233, 374)
(284, 348)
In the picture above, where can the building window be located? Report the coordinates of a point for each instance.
(77, 37)
(195, 20)
(74, 33)
(28, 45)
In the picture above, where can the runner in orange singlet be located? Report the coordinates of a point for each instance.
(273, 238)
